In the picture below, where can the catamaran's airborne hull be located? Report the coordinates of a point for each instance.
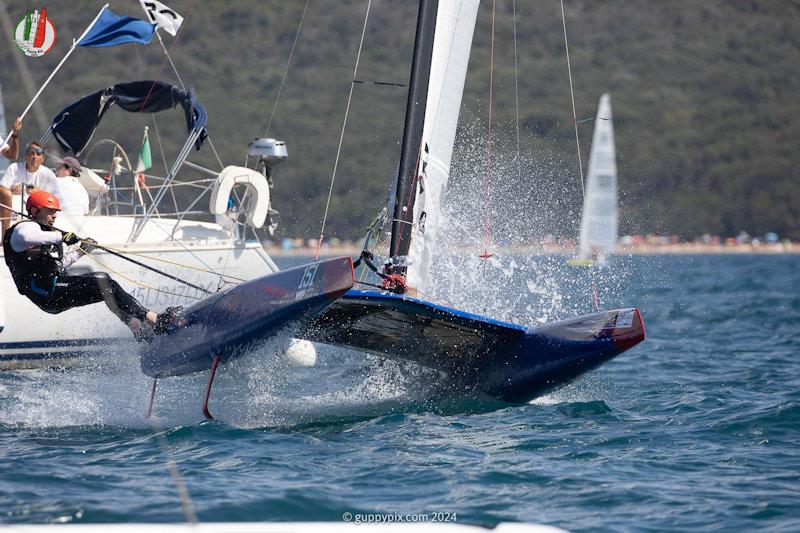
(507, 361)
(230, 323)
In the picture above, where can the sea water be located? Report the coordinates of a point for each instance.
(697, 427)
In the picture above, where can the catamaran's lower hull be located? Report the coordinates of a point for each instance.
(507, 361)
(230, 323)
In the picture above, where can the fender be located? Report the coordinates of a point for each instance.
(257, 187)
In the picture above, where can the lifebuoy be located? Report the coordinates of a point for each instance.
(257, 187)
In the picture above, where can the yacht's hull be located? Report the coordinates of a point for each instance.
(510, 362)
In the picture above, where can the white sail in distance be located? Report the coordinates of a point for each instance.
(598, 235)
(455, 24)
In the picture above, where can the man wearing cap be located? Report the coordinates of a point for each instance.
(31, 173)
(35, 256)
(67, 188)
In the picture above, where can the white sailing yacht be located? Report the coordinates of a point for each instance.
(512, 362)
(598, 234)
(146, 223)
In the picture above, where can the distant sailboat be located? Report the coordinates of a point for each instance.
(598, 235)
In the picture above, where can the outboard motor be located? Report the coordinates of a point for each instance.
(267, 152)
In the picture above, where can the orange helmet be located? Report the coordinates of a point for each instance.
(42, 199)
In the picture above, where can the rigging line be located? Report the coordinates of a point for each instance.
(344, 125)
(164, 63)
(286, 70)
(177, 74)
(389, 83)
(488, 181)
(577, 143)
(516, 83)
(167, 261)
(164, 158)
(139, 283)
(149, 93)
(572, 96)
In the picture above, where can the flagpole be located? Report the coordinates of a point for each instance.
(53, 73)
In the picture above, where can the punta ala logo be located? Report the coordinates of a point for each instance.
(35, 34)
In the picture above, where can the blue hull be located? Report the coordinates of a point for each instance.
(230, 323)
(510, 362)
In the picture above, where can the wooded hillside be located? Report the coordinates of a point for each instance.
(706, 101)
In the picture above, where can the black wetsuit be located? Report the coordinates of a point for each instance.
(38, 274)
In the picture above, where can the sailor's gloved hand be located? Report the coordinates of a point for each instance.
(88, 245)
(70, 238)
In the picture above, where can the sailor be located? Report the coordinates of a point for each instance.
(391, 281)
(11, 152)
(34, 255)
(68, 189)
(31, 173)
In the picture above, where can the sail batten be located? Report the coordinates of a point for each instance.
(419, 192)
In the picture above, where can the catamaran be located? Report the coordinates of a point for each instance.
(508, 361)
(598, 234)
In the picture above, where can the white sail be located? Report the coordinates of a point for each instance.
(455, 22)
(599, 221)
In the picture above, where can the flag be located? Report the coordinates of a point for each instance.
(111, 29)
(145, 158)
(162, 16)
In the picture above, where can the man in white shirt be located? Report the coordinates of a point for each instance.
(67, 188)
(30, 173)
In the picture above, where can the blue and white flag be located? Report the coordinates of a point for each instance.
(111, 29)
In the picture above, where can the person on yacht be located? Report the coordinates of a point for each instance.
(11, 148)
(66, 186)
(35, 256)
(30, 173)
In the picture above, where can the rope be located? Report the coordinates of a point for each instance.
(572, 96)
(167, 261)
(286, 70)
(135, 282)
(341, 136)
(164, 63)
(578, 145)
(158, 76)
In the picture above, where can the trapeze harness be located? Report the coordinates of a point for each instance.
(38, 274)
